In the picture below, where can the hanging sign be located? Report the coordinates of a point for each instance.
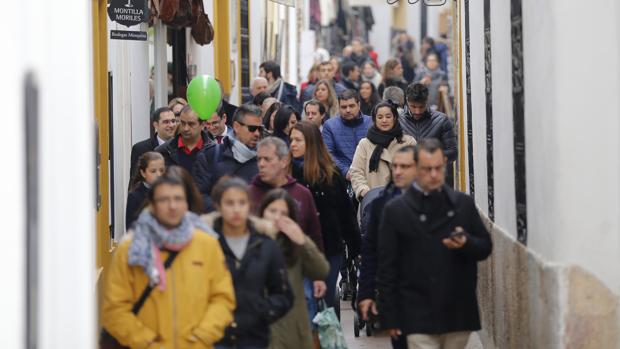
(128, 12)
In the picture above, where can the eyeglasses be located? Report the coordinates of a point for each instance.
(252, 128)
(177, 114)
(402, 166)
(168, 122)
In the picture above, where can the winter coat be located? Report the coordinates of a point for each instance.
(341, 138)
(424, 287)
(431, 125)
(438, 78)
(170, 150)
(215, 161)
(262, 289)
(140, 148)
(288, 96)
(336, 214)
(370, 221)
(402, 83)
(193, 310)
(135, 201)
(361, 179)
(293, 330)
(307, 216)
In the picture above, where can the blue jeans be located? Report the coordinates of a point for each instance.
(310, 301)
(335, 262)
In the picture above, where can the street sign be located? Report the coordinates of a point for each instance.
(128, 35)
(128, 12)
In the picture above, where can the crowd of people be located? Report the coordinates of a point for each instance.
(240, 223)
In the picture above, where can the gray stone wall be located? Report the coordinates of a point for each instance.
(526, 302)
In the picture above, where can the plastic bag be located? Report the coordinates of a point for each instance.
(330, 331)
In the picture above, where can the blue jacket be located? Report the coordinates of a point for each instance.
(341, 138)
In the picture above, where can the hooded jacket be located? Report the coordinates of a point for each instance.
(261, 285)
(192, 312)
(307, 216)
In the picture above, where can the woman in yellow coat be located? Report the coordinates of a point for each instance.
(373, 156)
(192, 301)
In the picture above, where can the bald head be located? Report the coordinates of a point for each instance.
(259, 84)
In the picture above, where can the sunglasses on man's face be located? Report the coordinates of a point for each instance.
(252, 128)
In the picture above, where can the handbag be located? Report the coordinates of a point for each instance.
(331, 335)
(106, 341)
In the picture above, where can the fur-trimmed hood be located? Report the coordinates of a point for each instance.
(262, 226)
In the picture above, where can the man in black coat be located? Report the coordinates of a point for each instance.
(183, 149)
(165, 125)
(403, 175)
(351, 75)
(278, 88)
(236, 156)
(420, 122)
(430, 240)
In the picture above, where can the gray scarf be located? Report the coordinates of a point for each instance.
(149, 237)
(241, 152)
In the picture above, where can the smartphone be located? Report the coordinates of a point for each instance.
(456, 234)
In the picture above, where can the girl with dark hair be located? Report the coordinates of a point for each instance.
(303, 260)
(151, 166)
(373, 156)
(313, 167)
(257, 266)
(268, 118)
(194, 199)
(283, 122)
(368, 97)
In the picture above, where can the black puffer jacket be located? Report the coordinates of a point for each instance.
(262, 290)
(431, 125)
(336, 213)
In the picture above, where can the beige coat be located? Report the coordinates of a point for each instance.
(361, 179)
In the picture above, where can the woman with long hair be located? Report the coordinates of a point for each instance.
(324, 93)
(373, 156)
(392, 75)
(286, 117)
(303, 260)
(257, 266)
(368, 97)
(313, 167)
(173, 258)
(151, 166)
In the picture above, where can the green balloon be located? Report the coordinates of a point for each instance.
(204, 96)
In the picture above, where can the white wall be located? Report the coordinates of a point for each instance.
(478, 101)
(571, 128)
(379, 36)
(503, 149)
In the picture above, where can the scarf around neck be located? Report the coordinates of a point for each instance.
(241, 152)
(274, 87)
(382, 140)
(149, 237)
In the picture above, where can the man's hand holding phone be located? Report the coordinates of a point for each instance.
(456, 240)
